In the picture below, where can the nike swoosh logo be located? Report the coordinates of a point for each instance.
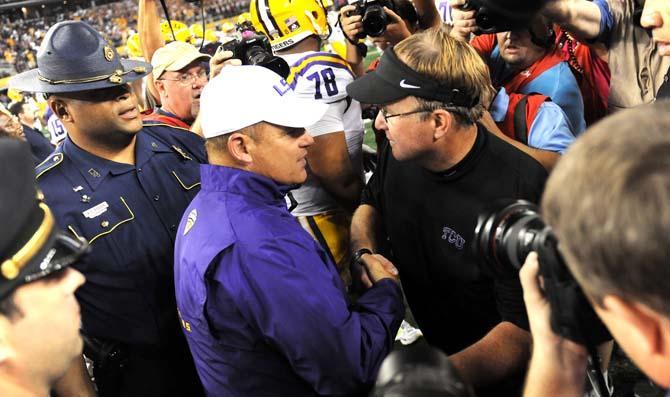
(405, 85)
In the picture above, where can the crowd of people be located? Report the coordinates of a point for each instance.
(20, 38)
(203, 225)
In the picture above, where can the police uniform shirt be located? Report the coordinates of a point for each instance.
(129, 214)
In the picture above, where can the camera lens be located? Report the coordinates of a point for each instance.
(374, 21)
(505, 235)
(255, 55)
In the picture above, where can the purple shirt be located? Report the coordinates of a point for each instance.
(263, 309)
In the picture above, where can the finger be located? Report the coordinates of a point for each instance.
(365, 280)
(394, 17)
(346, 9)
(233, 62)
(222, 56)
(529, 276)
(464, 15)
(456, 3)
(465, 23)
(388, 266)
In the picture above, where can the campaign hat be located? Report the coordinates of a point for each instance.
(75, 57)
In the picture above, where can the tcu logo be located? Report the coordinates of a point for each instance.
(453, 238)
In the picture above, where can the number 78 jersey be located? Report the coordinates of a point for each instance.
(319, 75)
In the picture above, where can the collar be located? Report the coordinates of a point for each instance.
(94, 169)
(253, 186)
(499, 106)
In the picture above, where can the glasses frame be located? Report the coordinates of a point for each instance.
(389, 116)
(192, 78)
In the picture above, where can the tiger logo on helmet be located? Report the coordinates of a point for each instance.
(288, 22)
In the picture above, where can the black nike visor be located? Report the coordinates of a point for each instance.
(393, 80)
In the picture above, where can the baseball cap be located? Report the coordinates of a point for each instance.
(241, 96)
(174, 56)
(31, 245)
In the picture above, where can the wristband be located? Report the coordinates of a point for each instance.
(358, 254)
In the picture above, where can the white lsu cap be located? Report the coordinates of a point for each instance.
(241, 96)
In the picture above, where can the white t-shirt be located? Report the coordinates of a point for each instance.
(323, 76)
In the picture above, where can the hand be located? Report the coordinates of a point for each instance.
(487, 121)
(539, 311)
(220, 60)
(464, 22)
(557, 366)
(351, 24)
(378, 268)
(396, 30)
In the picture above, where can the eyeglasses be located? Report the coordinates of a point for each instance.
(187, 79)
(388, 116)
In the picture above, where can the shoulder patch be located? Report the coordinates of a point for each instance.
(49, 163)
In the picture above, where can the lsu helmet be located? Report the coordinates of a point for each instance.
(288, 22)
(15, 95)
(133, 48)
(176, 26)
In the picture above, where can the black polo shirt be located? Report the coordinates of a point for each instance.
(429, 219)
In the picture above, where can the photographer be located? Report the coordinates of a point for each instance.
(525, 61)
(400, 26)
(435, 175)
(637, 34)
(617, 252)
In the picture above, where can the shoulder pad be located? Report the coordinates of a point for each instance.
(49, 163)
(321, 59)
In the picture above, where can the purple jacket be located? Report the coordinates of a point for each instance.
(263, 309)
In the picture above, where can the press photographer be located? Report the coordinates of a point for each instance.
(607, 203)
(386, 23)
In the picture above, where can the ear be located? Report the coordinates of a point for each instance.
(160, 87)
(647, 329)
(239, 146)
(442, 121)
(60, 109)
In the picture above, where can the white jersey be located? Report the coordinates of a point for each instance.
(444, 10)
(323, 76)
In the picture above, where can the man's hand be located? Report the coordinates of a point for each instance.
(220, 60)
(351, 24)
(396, 30)
(558, 366)
(464, 21)
(373, 268)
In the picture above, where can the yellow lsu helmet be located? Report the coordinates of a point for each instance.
(133, 47)
(288, 22)
(176, 26)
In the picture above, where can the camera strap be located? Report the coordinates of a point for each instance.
(167, 16)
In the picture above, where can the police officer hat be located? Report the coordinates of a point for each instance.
(75, 57)
(31, 246)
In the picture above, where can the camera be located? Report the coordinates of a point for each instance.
(253, 48)
(374, 19)
(505, 234)
(493, 16)
(419, 371)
